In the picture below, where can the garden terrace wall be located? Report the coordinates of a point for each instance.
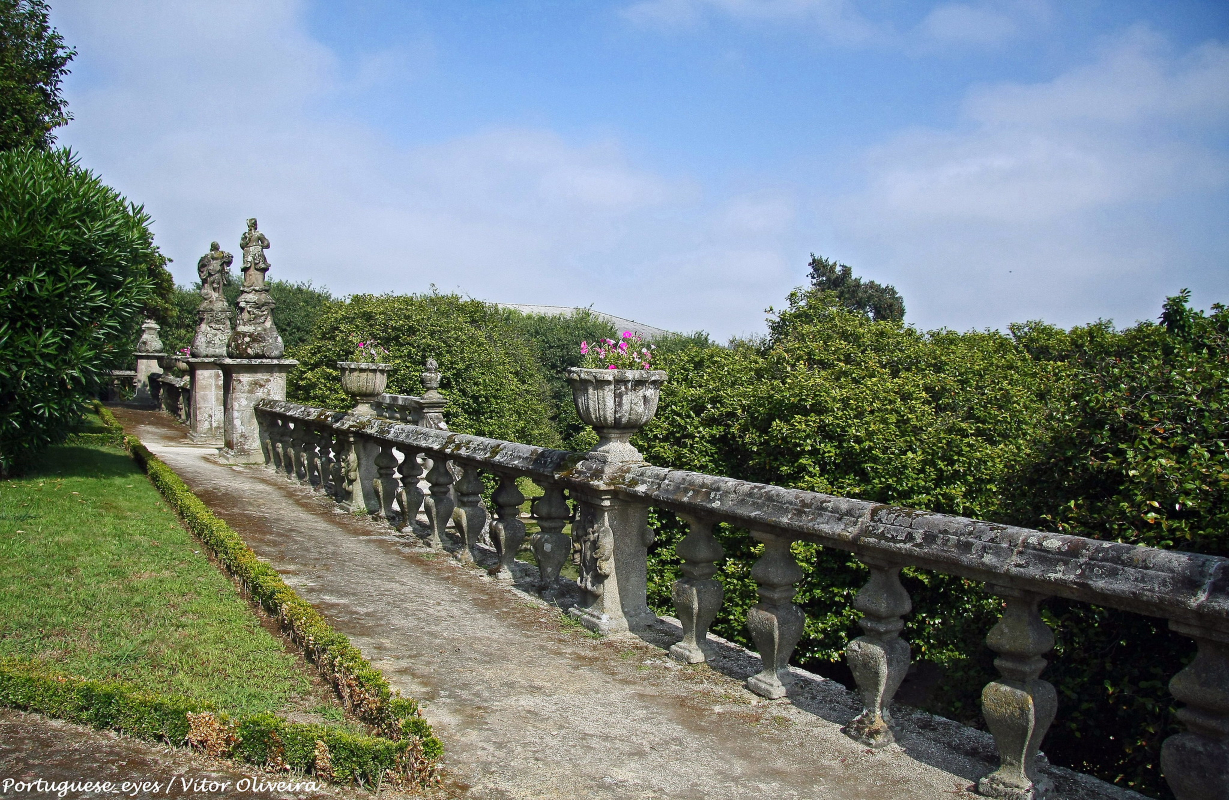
(375, 465)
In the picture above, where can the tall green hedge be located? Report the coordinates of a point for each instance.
(1094, 431)
(78, 266)
(489, 369)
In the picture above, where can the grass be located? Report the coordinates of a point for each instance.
(98, 579)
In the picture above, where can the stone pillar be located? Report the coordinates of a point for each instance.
(246, 382)
(149, 353)
(614, 539)
(207, 424)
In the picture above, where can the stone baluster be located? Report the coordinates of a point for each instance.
(409, 496)
(345, 470)
(311, 464)
(1019, 706)
(551, 546)
(366, 498)
(508, 532)
(1195, 763)
(439, 509)
(470, 516)
(384, 484)
(271, 433)
(324, 445)
(297, 462)
(775, 622)
(878, 658)
(697, 595)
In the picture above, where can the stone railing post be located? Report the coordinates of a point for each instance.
(270, 439)
(879, 658)
(440, 504)
(286, 439)
(697, 595)
(614, 539)
(385, 485)
(1019, 706)
(508, 532)
(410, 495)
(470, 516)
(297, 439)
(551, 546)
(311, 457)
(324, 445)
(775, 622)
(345, 470)
(366, 499)
(1195, 763)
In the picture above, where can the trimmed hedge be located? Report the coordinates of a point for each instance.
(263, 739)
(406, 748)
(112, 434)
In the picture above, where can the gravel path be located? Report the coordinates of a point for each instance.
(529, 707)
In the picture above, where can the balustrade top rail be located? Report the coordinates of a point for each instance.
(1188, 588)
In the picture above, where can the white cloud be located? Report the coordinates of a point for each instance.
(836, 19)
(1057, 199)
(982, 24)
(978, 24)
(212, 112)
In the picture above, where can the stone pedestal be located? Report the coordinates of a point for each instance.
(246, 382)
(207, 422)
(149, 352)
(148, 370)
(614, 536)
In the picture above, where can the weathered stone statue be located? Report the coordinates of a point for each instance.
(213, 316)
(255, 265)
(255, 334)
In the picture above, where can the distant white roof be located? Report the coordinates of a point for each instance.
(639, 329)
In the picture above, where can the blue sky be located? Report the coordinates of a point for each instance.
(676, 161)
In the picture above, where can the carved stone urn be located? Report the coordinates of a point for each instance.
(617, 403)
(363, 381)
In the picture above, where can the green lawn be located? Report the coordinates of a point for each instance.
(99, 580)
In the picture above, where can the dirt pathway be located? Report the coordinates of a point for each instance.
(528, 707)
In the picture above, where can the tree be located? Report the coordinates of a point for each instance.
(878, 301)
(77, 270)
(33, 63)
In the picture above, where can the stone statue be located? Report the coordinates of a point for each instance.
(255, 265)
(214, 270)
(213, 316)
(255, 335)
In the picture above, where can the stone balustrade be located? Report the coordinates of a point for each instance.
(377, 464)
(175, 396)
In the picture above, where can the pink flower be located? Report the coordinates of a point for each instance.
(622, 347)
(584, 348)
(627, 334)
(612, 366)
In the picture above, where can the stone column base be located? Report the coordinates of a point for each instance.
(148, 370)
(246, 382)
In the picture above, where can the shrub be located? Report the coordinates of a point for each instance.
(488, 369)
(77, 267)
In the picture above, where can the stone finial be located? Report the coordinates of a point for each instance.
(255, 334)
(149, 342)
(431, 378)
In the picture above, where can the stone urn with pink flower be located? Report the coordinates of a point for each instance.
(365, 377)
(616, 392)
